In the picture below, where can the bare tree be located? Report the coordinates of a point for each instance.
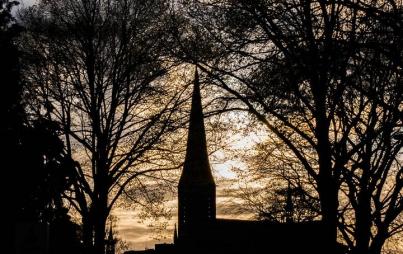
(367, 133)
(303, 69)
(275, 187)
(97, 68)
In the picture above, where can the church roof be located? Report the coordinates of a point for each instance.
(196, 169)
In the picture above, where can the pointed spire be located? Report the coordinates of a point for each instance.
(175, 235)
(289, 206)
(196, 168)
(110, 235)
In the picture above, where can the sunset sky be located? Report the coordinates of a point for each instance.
(254, 156)
(138, 235)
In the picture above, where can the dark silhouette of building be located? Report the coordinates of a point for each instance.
(196, 189)
(199, 231)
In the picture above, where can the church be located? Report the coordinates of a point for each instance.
(201, 232)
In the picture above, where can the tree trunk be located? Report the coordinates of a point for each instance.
(362, 235)
(87, 234)
(363, 222)
(327, 187)
(378, 241)
(329, 204)
(99, 244)
(100, 222)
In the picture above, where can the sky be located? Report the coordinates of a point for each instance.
(139, 235)
(26, 3)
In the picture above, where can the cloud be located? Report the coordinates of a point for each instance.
(137, 234)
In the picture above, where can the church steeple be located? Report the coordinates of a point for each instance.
(175, 235)
(196, 168)
(196, 189)
(289, 206)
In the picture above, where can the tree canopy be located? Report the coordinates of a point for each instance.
(325, 78)
(92, 103)
(98, 70)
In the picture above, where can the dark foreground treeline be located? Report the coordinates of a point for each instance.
(34, 164)
(95, 81)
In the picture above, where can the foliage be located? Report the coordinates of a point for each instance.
(34, 162)
(97, 68)
(322, 78)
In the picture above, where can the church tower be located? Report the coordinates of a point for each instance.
(196, 189)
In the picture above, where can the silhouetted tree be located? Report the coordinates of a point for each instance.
(96, 70)
(64, 235)
(10, 108)
(370, 126)
(43, 173)
(33, 159)
(271, 171)
(290, 205)
(322, 77)
(9, 67)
